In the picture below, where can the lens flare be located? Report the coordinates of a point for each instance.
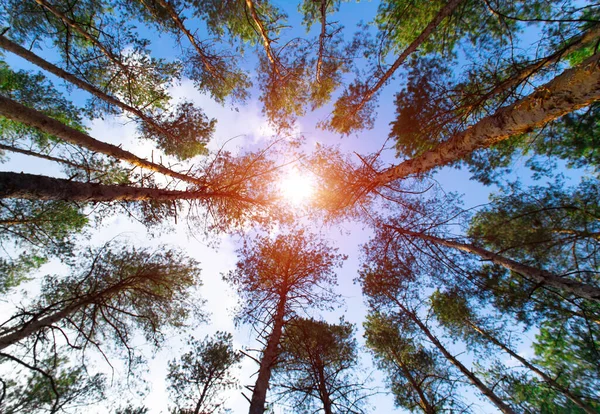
(296, 188)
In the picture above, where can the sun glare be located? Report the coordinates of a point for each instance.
(296, 188)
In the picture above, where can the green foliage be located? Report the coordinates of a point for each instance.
(315, 367)
(553, 227)
(111, 294)
(188, 124)
(35, 231)
(54, 386)
(298, 266)
(199, 377)
(417, 376)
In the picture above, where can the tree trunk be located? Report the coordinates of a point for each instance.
(265, 37)
(18, 50)
(576, 400)
(423, 402)
(323, 392)
(575, 88)
(76, 27)
(21, 113)
(203, 56)
(540, 276)
(323, 9)
(35, 325)
(40, 187)
(502, 406)
(259, 393)
(441, 15)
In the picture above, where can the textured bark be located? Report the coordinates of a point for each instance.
(502, 406)
(540, 276)
(21, 113)
(39, 187)
(565, 391)
(441, 15)
(259, 393)
(575, 88)
(263, 34)
(34, 326)
(55, 70)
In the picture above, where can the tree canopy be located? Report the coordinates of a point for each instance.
(191, 122)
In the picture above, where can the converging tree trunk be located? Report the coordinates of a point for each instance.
(39, 187)
(259, 393)
(21, 113)
(540, 276)
(545, 377)
(31, 57)
(497, 401)
(575, 88)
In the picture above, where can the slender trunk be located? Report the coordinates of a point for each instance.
(259, 394)
(502, 406)
(18, 50)
(323, 392)
(441, 15)
(36, 325)
(76, 27)
(540, 276)
(21, 113)
(263, 34)
(423, 402)
(575, 88)
(322, 39)
(46, 157)
(203, 55)
(40, 187)
(576, 400)
(203, 394)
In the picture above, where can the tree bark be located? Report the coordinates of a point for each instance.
(21, 113)
(18, 50)
(565, 391)
(540, 276)
(40, 187)
(265, 37)
(502, 406)
(323, 9)
(323, 392)
(259, 393)
(575, 88)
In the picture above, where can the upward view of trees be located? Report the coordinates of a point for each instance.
(467, 308)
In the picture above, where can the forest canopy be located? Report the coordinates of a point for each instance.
(315, 206)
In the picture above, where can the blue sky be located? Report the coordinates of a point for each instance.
(252, 130)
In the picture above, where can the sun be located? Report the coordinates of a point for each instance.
(296, 188)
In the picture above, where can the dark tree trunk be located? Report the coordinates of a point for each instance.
(259, 394)
(540, 276)
(39, 187)
(497, 401)
(28, 116)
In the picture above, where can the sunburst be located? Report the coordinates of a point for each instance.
(296, 188)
